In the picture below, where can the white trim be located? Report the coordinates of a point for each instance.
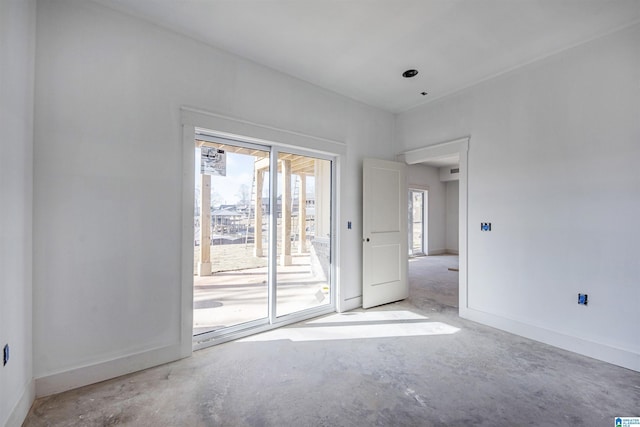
(229, 330)
(460, 147)
(350, 304)
(418, 187)
(617, 356)
(21, 409)
(463, 225)
(272, 288)
(216, 138)
(436, 151)
(236, 128)
(341, 303)
(335, 231)
(186, 289)
(91, 374)
(199, 122)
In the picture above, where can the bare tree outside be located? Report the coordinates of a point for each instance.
(243, 194)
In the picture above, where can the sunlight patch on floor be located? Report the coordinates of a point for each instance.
(358, 325)
(368, 316)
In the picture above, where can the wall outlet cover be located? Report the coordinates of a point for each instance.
(583, 299)
(5, 355)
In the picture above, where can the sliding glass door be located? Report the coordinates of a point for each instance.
(263, 236)
(304, 233)
(231, 230)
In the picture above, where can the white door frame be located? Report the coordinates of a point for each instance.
(447, 149)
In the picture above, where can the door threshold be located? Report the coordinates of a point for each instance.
(219, 337)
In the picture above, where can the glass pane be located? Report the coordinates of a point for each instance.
(231, 236)
(304, 233)
(416, 224)
(410, 222)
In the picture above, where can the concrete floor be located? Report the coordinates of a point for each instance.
(431, 279)
(412, 363)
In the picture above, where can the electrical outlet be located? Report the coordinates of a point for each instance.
(5, 355)
(583, 299)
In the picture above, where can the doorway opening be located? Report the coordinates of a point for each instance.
(262, 246)
(441, 155)
(434, 277)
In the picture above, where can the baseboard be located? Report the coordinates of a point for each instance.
(103, 371)
(350, 304)
(21, 410)
(616, 356)
(437, 252)
(452, 252)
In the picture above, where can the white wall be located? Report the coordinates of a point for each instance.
(422, 176)
(17, 52)
(451, 213)
(446, 175)
(108, 180)
(544, 139)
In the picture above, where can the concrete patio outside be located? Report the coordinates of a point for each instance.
(236, 292)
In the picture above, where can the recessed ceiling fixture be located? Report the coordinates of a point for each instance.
(409, 73)
(424, 93)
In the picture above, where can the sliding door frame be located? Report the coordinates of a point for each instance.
(201, 124)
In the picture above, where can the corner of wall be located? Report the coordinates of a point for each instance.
(20, 411)
(17, 59)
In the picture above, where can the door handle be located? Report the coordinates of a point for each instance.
(366, 240)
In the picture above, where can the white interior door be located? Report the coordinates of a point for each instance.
(384, 227)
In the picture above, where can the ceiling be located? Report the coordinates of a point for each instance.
(359, 48)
